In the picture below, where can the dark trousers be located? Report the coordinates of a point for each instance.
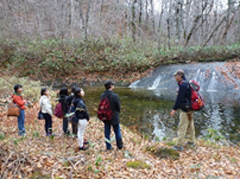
(118, 135)
(74, 128)
(65, 126)
(48, 123)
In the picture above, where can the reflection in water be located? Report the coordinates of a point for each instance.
(159, 130)
(148, 112)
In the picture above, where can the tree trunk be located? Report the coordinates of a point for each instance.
(128, 16)
(72, 17)
(192, 29)
(133, 20)
(213, 32)
(82, 20)
(228, 20)
(195, 23)
(102, 2)
(140, 17)
(169, 34)
(87, 19)
(147, 15)
(159, 25)
(152, 16)
(178, 19)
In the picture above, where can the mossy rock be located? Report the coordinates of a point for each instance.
(163, 152)
(137, 164)
(39, 175)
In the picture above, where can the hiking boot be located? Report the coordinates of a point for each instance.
(83, 148)
(177, 148)
(191, 144)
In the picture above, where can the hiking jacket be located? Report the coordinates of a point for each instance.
(82, 113)
(45, 105)
(70, 99)
(184, 95)
(63, 99)
(17, 98)
(115, 105)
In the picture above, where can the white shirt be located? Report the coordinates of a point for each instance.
(45, 105)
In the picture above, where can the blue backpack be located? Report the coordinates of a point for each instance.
(72, 109)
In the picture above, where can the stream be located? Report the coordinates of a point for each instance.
(147, 111)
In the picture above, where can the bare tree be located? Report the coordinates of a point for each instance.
(152, 16)
(229, 19)
(167, 22)
(133, 10)
(140, 16)
(84, 20)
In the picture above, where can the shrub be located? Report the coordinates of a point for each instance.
(31, 89)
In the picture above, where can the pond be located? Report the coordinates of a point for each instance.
(148, 112)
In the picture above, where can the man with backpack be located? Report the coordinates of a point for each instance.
(186, 122)
(108, 112)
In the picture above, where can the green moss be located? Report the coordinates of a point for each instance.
(162, 152)
(39, 175)
(66, 163)
(171, 143)
(137, 164)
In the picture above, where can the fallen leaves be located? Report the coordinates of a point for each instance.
(37, 156)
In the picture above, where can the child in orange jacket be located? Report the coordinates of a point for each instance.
(17, 99)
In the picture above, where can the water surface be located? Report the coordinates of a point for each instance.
(148, 112)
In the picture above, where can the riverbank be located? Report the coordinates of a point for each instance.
(68, 61)
(37, 156)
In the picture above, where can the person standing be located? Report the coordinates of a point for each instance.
(63, 99)
(186, 122)
(18, 99)
(71, 109)
(115, 121)
(82, 117)
(46, 109)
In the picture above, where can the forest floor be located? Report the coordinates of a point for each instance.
(36, 156)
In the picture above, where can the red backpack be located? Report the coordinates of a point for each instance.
(59, 110)
(104, 112)
(197, 101)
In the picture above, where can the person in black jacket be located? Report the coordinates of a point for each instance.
(82, 117)
(65, 105)
(115, 121)
(186, 122)
(71, 109)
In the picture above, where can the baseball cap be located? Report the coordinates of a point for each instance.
(179, 72)
(109, 82)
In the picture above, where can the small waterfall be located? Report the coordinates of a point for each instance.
(155, 83)
(210, 76)
(159, 128)
(213, 82)
(199, 77)
(134, 84)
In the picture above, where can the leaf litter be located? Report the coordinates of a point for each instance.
(37, 156)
